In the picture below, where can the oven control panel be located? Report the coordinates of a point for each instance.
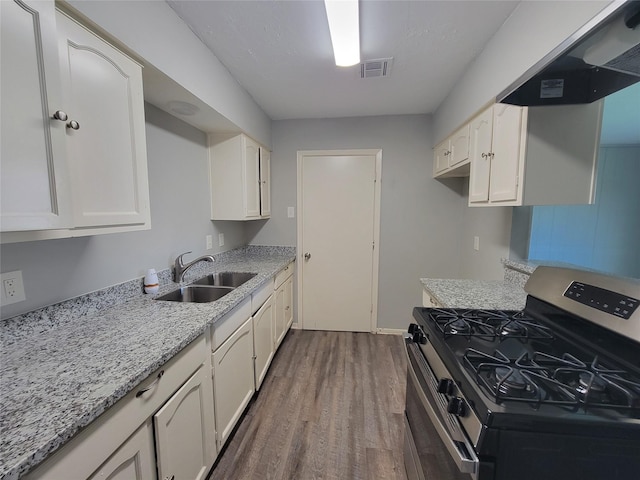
(605, 300)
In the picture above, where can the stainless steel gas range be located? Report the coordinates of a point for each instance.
(551, 392)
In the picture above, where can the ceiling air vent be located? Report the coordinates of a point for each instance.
(380, 67)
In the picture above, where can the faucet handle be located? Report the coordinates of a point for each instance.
(179, 259)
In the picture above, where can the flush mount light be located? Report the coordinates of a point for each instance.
(344, 26)
(182, 108)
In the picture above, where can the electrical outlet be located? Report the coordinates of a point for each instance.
(221, 239)
(209, 239)
(290, 212)
(12, 287)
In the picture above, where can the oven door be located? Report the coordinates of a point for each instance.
(435, 445)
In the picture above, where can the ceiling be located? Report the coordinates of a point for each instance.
(280, 52)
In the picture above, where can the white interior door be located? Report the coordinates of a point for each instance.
(338, 210)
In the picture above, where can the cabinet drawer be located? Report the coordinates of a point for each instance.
(228, 324)
(260, 296)
(283, 275)
(91, 447)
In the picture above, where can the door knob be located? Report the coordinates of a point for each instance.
(307, 256)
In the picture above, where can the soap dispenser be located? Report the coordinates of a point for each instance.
(151, 284)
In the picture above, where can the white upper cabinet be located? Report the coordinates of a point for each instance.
(452, 156)
(74, 158)
(107, 151)
(534, 155)
(265, 183)
(34, 193)
(239, 178)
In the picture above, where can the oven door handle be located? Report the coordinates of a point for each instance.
(467, 462)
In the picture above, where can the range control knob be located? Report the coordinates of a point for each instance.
(456, 406)
(419, 337)
(412, 328)
(445, 386)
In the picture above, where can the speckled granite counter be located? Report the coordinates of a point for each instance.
(485, 294)
(60, 368)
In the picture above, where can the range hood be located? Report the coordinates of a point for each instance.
(597, 60)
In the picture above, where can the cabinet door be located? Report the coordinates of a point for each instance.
(288, 304)
(233, 379)
(263, 340)
(265, 182)
(479, 155)
(107, 153)
(506, 149)
(280, 320)
(284, 310)
(185, 430)
(441, 157)
(252, 178)
(33, 184)
(459, 142)
(134, 460)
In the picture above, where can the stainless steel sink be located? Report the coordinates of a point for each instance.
(195, 294)
(225, 279)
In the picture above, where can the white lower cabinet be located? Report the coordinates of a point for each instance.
(184, 427)
(263, 340)
(233, 379)
(119, 444)
(134, 460)
(284, 304)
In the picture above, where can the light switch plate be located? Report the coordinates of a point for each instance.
(221, 239)
(476, 243)
(209, 239)
(11, 287)
(290, 212)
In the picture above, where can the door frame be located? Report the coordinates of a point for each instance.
(377, 152)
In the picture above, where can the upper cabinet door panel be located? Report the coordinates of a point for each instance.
(506, 149)
(265, 182)
(107, 151)
(32, 150)
(459, 146)
(480, 143)
(252, 178)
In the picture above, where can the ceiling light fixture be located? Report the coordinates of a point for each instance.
(344, 26)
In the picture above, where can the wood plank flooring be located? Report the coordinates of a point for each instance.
(331, 407)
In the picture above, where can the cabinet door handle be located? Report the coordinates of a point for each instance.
(155, 382)
(60, 115)
(73, 125)
(485, 155)
(307, 256)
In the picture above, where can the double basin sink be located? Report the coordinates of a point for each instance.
(208, 289)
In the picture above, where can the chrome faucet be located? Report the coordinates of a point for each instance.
(181, 268)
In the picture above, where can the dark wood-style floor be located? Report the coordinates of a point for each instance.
(331, 407)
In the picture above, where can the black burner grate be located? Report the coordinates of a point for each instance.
(488, 325)
(538, 378)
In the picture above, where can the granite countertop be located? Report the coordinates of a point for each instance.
(484, 294)
(57, 375)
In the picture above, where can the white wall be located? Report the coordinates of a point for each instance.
(533, 30)
(153, 31)
(56, 270)
(420, 217)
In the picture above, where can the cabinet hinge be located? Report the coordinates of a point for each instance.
(212, 372)
(373, 245)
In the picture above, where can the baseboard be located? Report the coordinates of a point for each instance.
(390, 331)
